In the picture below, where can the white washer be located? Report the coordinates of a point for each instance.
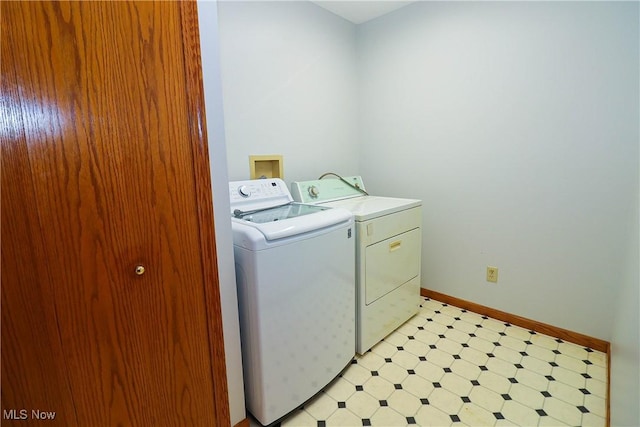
(388, 247)
(296, 292)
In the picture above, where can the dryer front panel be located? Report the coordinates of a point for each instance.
(391, 263)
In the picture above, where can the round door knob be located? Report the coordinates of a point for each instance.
(313, 191)
(140, 270)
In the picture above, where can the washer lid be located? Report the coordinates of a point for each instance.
(278, 213)
(292, 219)
(368, 207)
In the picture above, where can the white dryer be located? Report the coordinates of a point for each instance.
(388, 248)
(296, 293)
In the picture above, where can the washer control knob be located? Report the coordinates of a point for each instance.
(313, 191)
(244, 191)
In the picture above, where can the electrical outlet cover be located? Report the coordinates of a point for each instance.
(492, 274)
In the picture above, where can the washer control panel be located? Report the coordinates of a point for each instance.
(258, 193)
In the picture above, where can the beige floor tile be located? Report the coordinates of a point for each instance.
(384, 349)
(300, 419)
(387, 417)
(407, 329)
(457, 335)
(429, 374)
(566, 376)
(494, 382)
(487, 334)
(508, 354)
(416, 347)
(518, 332)
(481, 344)
(379, 387)
(446, 401)
(436, 328)
(429, 371)
(404, 402)
(417, 320)
(362, 404)
(417, 385)
(440, 358)
(544, 341)
(340, 389)
(405, 359)
(466, 369)
(443, 319)
(562, 411)
(343, 419)
(464, 326)
(449, 346)
(570, 363)
(592, 420)
(474, 415)
(501, 367)
(536, 365)
(596, 405)
(597, 372)
(541, 353)
(573, 350)
(396, 338)
(527, 396)
(356, 374)
(532, 379)
(519, 414)
(321, 407)
(429, 415)
(596, 387)
(427, 337)
(547, 421)
(474, 356)
(494, 325)
(371, 361)
(598, 358)
(488, 399)
(456, 384)
(393, 373)
(513, 343)
(566, 393)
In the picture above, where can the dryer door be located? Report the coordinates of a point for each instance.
(390, 263)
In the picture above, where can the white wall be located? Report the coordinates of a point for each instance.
(289, 85)
(289, 72)
(625, 342)
(515, 122)
(208, 22)
(517, 125)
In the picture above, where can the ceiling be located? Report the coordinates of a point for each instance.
(359, 11)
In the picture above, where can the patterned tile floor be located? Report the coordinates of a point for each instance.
(451, 367)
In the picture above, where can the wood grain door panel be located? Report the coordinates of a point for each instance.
(98, 178)
(29, 331)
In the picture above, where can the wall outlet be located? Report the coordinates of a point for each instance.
(492, 274)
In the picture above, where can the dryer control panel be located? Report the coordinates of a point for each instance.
(326, 190)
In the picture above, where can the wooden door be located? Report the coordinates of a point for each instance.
(105, 169)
